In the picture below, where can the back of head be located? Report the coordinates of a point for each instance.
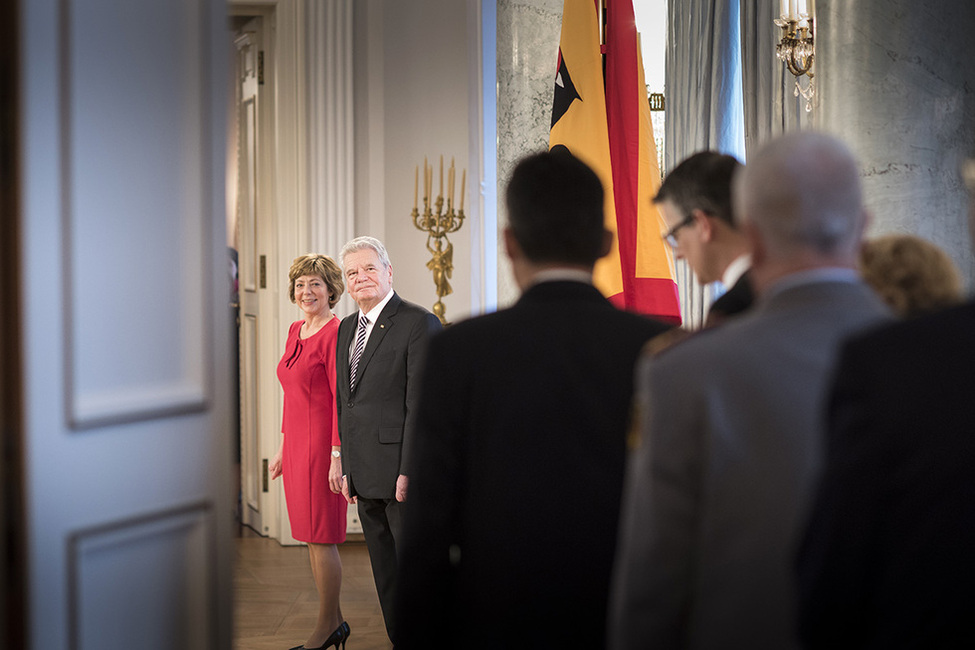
(701, 182)
(910, 274)
(802, 192)
(555, 209)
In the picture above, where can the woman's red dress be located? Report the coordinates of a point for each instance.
(310, 428)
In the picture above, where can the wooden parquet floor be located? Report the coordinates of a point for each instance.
(275, 602)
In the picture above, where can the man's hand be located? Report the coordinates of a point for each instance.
(345, 490)
(401, 482)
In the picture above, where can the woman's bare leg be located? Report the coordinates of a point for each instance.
(326, 567)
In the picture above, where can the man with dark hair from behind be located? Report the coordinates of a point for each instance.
(695, 203)
(510, 528)
(888, 561)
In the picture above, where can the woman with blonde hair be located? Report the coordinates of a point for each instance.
(310, 455)
(910, 274)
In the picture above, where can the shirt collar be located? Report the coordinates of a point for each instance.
(735, 270)
(812, 276)
(373, 313)
(556, 274)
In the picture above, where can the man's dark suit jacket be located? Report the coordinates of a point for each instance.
(734, 301)
(377, 420)
(510, 526)
(889, 556)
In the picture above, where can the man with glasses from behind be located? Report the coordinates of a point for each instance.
(695, 202)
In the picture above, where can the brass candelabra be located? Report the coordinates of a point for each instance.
(797, 49)
(439, 219)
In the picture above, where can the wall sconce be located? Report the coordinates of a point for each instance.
(797, 46)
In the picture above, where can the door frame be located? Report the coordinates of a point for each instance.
(275, 228)
(13, 584)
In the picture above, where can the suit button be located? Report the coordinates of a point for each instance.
(351, 404)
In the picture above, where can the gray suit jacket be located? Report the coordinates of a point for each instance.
(731, 424)
(377, 419)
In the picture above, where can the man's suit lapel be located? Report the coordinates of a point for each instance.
(342, 353)
(384, 323)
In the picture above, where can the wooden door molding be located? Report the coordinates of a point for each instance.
(13, 590)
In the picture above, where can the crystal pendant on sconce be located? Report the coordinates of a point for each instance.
(807, 94)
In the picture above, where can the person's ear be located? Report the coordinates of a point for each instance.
(866, 218)
(511, 247)
(703, 224)
(756, 244)
(607, 244)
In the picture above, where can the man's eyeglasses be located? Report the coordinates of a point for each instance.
(671, 236)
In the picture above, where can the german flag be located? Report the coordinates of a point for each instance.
(607, 125)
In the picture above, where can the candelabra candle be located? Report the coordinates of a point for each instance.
(450, 185)
(437, 223)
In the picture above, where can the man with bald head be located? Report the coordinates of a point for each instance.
(730, 419)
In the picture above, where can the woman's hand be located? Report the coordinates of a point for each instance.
(335, 475)
(275, 466)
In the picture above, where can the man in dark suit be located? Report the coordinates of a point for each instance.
(380, 352)
(719, 488)
(695, 203)
(889, 556)
(514, 493)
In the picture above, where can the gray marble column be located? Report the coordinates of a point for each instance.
(897, 82)
(528, 49)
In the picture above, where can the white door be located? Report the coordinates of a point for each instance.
(126, 354)
(253, 468)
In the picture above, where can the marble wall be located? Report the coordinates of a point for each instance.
(897, 83)
(528, 47)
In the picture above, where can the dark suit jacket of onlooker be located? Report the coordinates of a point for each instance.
(377, 420)
(511, 522)
(734, 301)
(889, 557)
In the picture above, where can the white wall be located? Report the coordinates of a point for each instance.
(412, 100)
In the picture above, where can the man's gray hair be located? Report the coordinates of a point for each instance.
(802, 191)
(360, 243)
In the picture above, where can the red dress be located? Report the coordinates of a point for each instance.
(310, 428)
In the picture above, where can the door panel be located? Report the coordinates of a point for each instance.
(126, 359)
(251, 459)
(251, 474)
(105, 562)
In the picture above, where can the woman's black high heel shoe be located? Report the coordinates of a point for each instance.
(340, 635)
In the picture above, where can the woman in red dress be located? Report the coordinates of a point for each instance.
(310, 455)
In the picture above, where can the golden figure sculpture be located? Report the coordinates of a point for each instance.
(438, 223)
(442, 265)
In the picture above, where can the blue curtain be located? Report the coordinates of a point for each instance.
(705, 107)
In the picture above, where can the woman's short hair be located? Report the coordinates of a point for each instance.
(910, 274)
(324, 267)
